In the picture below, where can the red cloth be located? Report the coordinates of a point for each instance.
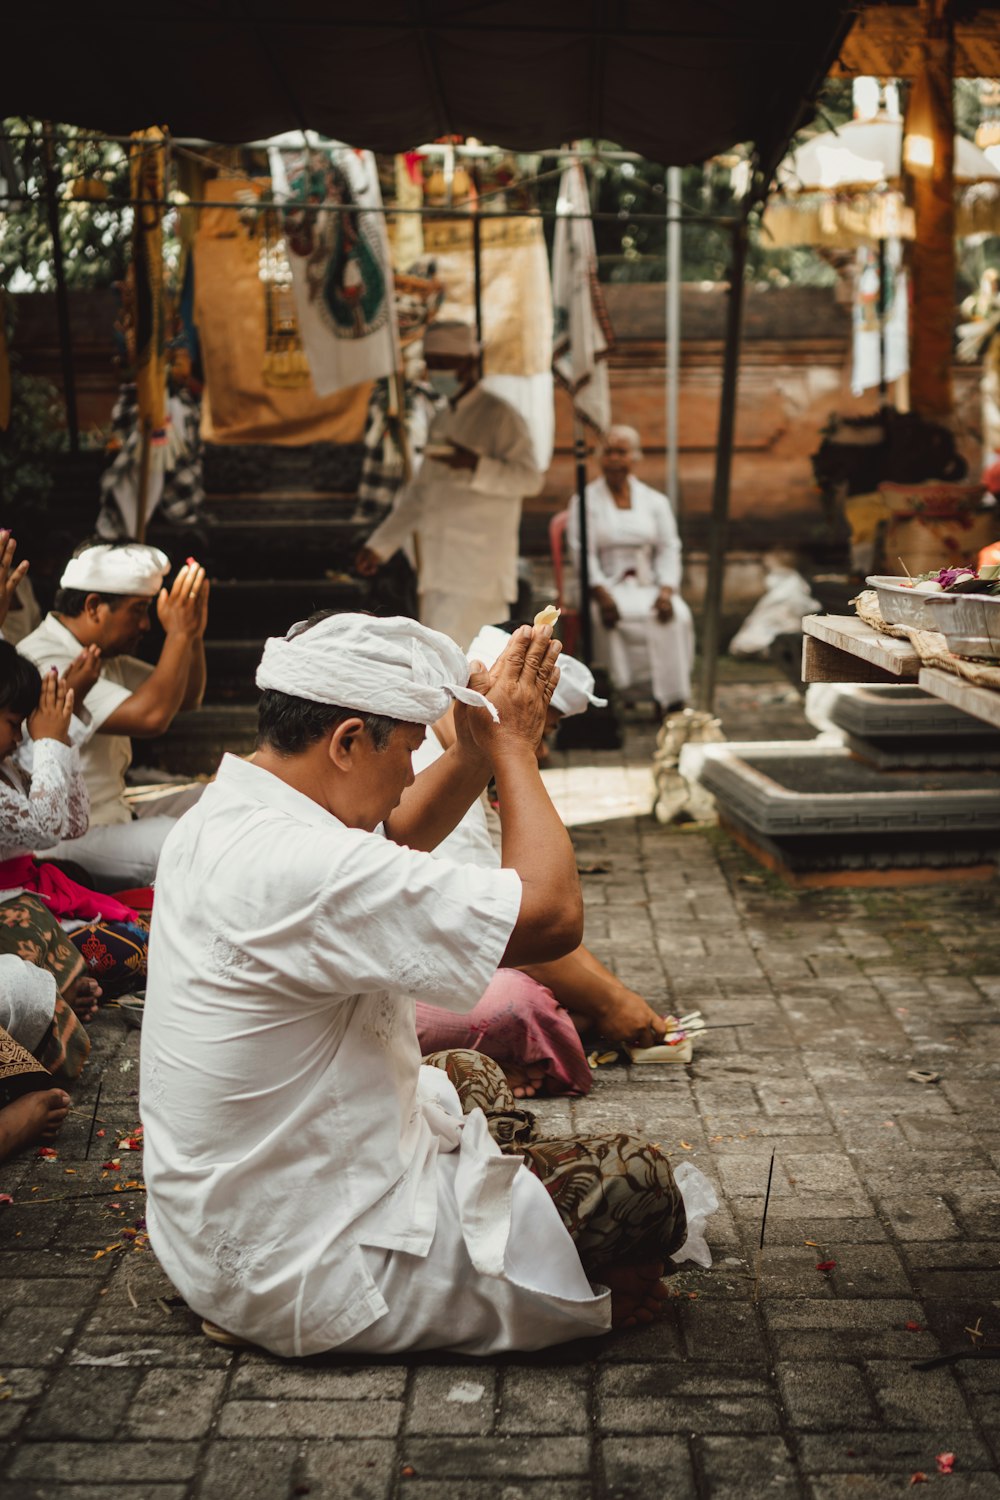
(515, 1021)
(62, 896)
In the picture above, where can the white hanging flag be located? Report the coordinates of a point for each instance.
(582, 330)
(867, 371)
(341, 269)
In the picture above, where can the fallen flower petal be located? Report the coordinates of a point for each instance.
(48, 1153)
(912, 1327)
(919, 1477)
(6, 1198)
(825, 1265)
(945, 1462)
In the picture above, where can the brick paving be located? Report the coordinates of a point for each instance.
(809, 1389)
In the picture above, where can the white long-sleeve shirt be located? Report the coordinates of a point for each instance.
(466, 521)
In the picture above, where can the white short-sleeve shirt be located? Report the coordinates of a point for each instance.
(286, 1124)
(105, 758)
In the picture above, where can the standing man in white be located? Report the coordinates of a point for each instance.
(644, 632)
(464, 506)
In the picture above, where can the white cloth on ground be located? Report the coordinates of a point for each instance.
(105, 758)
(387, 666)
(104, 569)
(288, 1122)
(27, 1000)
(467, 521)
(633, 553)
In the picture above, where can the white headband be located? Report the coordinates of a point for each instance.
(574, 692)
(133, 569)
(393, 667)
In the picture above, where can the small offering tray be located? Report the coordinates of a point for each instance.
(901, 604)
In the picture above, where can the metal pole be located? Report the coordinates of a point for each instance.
(62, 298)
(882, 386)
(673, 330)
(712, 627)
(586, 625)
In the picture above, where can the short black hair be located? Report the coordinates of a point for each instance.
(290, 725)
(72, 602)
(20, 682)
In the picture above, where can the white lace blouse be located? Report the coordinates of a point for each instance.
(40, 807)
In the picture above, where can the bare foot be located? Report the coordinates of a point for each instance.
(637, 1293)
(33, 1117)
(526, 1081)
(83, 995)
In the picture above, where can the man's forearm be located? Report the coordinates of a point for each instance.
(438, 800)
(154, 704)
(197, 677)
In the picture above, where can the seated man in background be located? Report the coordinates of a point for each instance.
(529, 1019)
(310, 1185)
(103, 601)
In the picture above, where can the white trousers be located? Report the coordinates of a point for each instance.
(127, 853)
(643, 651)
(462, 616)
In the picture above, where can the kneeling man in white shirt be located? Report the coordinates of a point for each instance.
(311, 1185)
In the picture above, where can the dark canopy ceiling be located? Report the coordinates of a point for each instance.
(677, 80)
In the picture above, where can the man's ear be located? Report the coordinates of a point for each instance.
(91, 605)
(343, 743)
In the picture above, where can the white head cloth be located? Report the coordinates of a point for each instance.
(574, 692)
(389, 666)
(450, 340)
(133, 569)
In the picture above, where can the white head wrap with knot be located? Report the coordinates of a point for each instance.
(573, 693)
(132, 569)
(393, 667)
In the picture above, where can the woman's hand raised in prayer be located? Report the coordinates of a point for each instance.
(10, 576)
(522, 681)
(82, 673)
(50, 721)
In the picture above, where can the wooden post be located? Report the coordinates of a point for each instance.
(929, 158)
(711, 633)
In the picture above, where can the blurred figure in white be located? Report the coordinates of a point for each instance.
(643, 630)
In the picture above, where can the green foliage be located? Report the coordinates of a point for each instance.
(33, 434)
(94, 236)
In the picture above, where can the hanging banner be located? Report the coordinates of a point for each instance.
(148, 180)
(339, 256)
(582, 337)
(867, 367)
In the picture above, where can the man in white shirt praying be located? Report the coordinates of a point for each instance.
(310, 1185)
(463, 508)
(103, 602)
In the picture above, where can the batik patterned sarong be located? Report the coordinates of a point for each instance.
(615, 1194)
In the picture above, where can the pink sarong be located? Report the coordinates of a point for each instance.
(63, 896)
(516, 1021)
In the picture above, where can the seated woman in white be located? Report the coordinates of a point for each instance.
(644, 632)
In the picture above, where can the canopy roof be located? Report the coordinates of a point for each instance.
(865, 154)
(677, 82)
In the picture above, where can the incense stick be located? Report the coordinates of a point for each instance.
(93, 1120)
(763, 1225)
(904, 568)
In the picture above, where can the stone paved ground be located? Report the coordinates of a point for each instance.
(808, 1390)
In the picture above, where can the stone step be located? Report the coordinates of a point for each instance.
(196, 742)
(250, 609)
